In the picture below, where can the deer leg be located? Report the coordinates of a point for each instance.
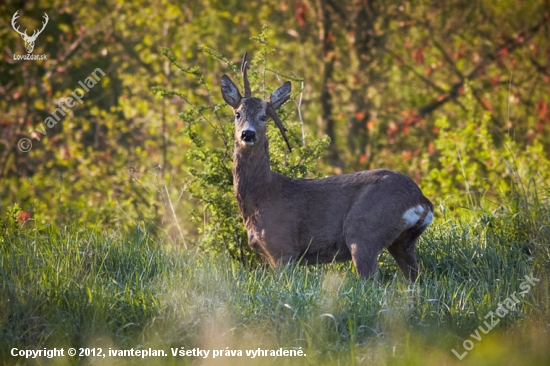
(402, 250)
(367, 234)
(365, 259)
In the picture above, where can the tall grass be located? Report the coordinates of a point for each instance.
(72, 287)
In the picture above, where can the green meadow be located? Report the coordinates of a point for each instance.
(90, 288)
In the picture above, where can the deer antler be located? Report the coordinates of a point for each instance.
(271, 113)
(270, 110)
(15, 16)
(35, 34)
(244, 66)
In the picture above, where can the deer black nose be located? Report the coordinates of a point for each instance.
(248, 136)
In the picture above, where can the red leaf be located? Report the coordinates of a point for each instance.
(370, 125)
(393, 128)
(300, 13)
(504, 52)
(23, 216)
(460, 52)
(542, 108)
(419, 56)
(486, 104)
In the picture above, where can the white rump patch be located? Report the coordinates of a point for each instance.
(412, 215)
(428, 219)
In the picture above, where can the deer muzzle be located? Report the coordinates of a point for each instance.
(248, 137)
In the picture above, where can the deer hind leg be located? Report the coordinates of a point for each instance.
(365, 243)
(402, 250)
(365, 259)
(367, 234)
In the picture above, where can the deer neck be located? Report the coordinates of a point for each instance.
(251, 176)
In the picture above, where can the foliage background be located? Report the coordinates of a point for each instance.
(384, 80)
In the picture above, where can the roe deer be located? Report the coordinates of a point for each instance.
(353, 216)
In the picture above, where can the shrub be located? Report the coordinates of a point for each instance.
(209, 131)
(473, 161)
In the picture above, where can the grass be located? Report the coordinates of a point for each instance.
(75, 287)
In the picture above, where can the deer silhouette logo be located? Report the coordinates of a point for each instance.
(29, 40)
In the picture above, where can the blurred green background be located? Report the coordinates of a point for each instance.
(447, 92)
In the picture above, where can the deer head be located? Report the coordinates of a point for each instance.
(251, 114)
(29, 41)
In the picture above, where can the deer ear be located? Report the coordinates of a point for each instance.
(230, 92)
(280, 96)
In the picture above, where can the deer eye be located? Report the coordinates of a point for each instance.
(237, 115)
(263, 118)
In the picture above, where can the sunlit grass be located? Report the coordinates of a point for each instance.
(71, 287)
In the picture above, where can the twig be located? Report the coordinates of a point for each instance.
(300, 113)
(174, 216)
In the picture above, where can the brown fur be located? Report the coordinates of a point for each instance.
(353, 216)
